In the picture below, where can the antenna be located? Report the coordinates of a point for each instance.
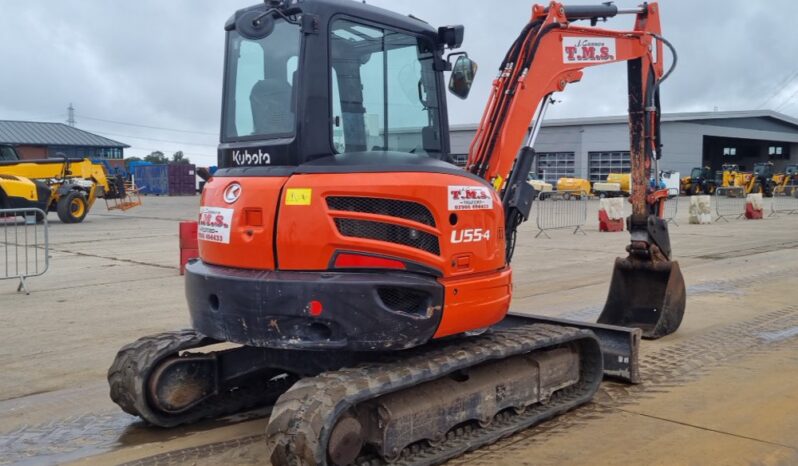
(71, 115)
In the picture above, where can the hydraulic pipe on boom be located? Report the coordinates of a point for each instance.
(647, 290)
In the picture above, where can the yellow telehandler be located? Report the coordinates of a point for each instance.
(66, 186)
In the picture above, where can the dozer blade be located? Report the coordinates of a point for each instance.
(647, 295)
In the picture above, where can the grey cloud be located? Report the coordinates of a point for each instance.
(159, 63)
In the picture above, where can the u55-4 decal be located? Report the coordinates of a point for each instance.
(470, 235)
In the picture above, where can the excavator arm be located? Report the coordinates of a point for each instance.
(550, 53)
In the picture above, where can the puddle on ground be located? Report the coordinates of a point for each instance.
(720, 287)
(779, 335)
(588, 314)
(76, 437)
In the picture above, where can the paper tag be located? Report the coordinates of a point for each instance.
(298, 196)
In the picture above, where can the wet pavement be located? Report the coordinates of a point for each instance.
(723, 390)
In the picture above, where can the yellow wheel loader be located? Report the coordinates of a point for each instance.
(786, 181)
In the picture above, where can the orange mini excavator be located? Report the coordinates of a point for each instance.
(364, 279)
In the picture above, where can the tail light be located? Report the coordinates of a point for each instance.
(363, 261)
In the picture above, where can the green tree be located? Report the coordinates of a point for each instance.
(178, 157)
(156, 157)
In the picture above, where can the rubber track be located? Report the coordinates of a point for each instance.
(128, 375)
(304, 416)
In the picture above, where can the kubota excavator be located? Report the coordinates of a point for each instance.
(366, 280)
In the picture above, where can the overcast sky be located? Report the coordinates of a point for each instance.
(157, 63)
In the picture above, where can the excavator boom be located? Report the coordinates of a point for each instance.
(550, 53)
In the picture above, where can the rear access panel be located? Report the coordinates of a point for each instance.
(236, 221)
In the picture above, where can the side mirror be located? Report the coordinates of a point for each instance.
(255, 25)
(462, 76)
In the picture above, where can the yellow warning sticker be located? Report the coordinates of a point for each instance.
(298, 196)
(497, 183)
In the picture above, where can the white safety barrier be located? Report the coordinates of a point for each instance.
(561, 210)
(784, 201)
(700, 209)
(24, 245)
(671, 206)
(613, 206)
(729, 202)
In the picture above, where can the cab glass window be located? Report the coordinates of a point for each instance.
(384, 91)
(261, 82)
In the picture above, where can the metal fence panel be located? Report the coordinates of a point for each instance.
(24, 245)
(729, 202)
(561, 210)
(784, 201)
(672, 206)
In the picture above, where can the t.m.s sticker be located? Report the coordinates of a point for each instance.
(592, 50)
(298, 196)
(470, 198)
(214, 224)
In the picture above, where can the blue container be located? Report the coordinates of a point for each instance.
(138, 163)
(152, 179)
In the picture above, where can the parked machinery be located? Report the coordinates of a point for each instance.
(66, 186)
(574, 187)
(729, 175)
(365, 280)
(701, 181)
(671, 182)
(616, 185)
(623, 179)
(787, 181)
(539, 185)
(759, 181)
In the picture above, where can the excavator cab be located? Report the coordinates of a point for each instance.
(307, 80)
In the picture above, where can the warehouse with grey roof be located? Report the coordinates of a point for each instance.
(591, 148)
(39, 140)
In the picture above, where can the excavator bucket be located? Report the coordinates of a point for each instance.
(647, 295)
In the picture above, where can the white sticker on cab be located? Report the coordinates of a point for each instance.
(215, 224)
(470, 198)
(588, 50)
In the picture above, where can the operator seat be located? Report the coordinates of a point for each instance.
(272, 111)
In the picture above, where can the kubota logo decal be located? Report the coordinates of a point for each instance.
(470, 198)
(255, 158)
(593, 50)
(232, 193)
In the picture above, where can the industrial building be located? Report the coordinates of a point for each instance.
(39, 140)
(594, 147)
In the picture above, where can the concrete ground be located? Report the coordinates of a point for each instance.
(723, 390)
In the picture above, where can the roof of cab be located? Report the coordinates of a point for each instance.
(349, 8)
